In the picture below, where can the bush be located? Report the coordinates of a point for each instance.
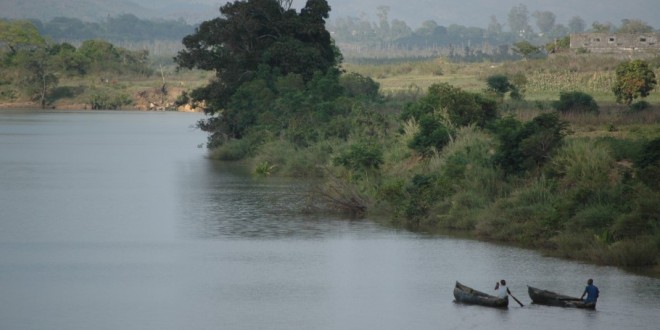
(639, 106)
(633, 253)
(432, 135)
(525, 147)
(358, 86)
(361, 157)
(575, 102)
(108, 100)
(238, 149)
(647, 164)
(499, 84)
(584, 164)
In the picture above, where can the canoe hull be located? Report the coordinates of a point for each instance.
(549, 298)
(467, 295)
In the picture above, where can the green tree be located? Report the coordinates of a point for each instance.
(252, 35)
(68, 60)
(499, 84)
(39, 76)
(525, 49)
(633, 79)
(17, 34)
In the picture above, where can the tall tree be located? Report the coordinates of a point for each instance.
(494, 27)
(251, 39)
(39, 74)
(545, 20)
(576, 24)
(519, 20)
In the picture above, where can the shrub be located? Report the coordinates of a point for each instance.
(499, 84)
(525, 147)
(359, 86)
(647, 164)
(360, 157)
(633, 253)
(237, 149)
(108, 100)
(584, 164)
(639, 105)
(575, 102)
(432, 135)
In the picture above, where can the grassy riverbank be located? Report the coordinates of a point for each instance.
(590, 200)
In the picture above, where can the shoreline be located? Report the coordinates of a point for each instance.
(85, 107)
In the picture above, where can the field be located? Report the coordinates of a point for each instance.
(546, 78)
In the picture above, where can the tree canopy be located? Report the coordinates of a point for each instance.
(633, 79)
(16, 34)
(258, 37)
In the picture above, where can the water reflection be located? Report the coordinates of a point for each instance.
(116, 220)
(232, 203)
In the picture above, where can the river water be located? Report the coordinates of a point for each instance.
(117, 220)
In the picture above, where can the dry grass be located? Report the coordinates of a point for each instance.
(546, 78)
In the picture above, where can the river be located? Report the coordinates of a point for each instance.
(117, 220)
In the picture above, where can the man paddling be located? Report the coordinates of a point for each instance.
(501, 288)
(592, 293)
(503, 291)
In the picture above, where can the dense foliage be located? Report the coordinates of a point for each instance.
(575, 102)
(274, 67)
(33, 67)
(443, 109)
(633, 79)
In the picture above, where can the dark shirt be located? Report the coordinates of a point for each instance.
(592, 293)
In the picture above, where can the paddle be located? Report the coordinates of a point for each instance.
(516, 299)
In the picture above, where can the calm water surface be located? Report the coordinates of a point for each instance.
(116, 220)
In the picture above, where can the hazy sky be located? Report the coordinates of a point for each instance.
(476, 12)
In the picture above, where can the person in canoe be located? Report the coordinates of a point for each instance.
(592, 293)
(502, 289)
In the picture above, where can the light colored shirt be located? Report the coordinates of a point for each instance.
(501, 292)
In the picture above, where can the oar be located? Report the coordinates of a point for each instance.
(516, 299)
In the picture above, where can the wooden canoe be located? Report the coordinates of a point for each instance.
(549, 298)
(467, 295)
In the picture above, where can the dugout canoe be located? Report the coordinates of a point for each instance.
(467, 295)
(549, 298)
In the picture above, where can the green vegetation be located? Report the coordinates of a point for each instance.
(429, 145)
(575, 102)
(95, 75)
(633, 79)
(553, 171)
